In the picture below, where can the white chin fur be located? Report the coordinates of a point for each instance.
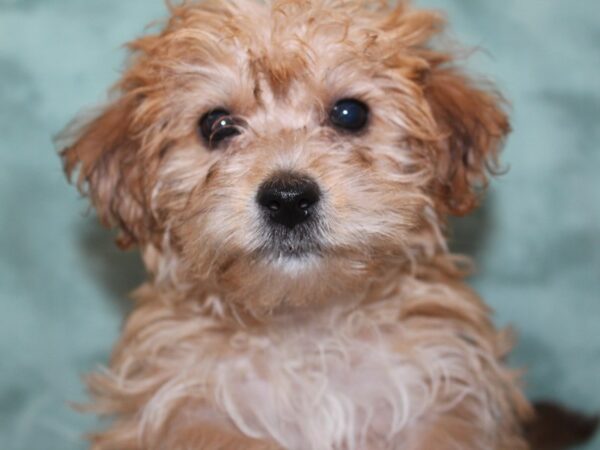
(296, 265)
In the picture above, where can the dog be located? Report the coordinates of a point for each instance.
(287, 171)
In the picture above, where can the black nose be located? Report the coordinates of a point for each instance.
(288, 199)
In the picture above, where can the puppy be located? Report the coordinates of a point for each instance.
(287, 171)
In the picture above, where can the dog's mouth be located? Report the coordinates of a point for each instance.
(299, 242)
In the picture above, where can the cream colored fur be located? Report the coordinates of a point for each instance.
(371, 342)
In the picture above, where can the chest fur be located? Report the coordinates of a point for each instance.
(338, 382)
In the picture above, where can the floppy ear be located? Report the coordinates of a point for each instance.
(473, 127)
(105, 152)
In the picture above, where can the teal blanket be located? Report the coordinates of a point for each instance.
(63, 284)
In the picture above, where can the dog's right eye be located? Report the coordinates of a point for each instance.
(349, 114)
(217, 125)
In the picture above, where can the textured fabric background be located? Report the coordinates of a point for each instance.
(62, 283)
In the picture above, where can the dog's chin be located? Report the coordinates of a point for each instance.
(271, 281)
(295, 264)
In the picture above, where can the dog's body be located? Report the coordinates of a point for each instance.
(287, 171)
(417, 365)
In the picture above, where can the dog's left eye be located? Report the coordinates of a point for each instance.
(349, 114)
(218, 125)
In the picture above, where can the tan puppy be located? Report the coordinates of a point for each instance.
(287, 171)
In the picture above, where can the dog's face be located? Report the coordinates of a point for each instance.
(280, 154)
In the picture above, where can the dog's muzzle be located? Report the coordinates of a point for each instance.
(288, 199)
(289, 204)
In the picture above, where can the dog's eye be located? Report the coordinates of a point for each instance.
(217, 125)
(349, 114)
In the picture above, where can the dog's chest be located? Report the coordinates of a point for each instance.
(332, 384)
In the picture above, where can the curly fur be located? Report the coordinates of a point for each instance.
(371, 342)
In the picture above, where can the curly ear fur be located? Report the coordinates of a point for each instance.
(105, 151)
(473, 127)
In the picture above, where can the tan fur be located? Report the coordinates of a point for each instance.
(373, 343)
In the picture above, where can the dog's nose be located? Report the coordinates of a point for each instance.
(288, 199)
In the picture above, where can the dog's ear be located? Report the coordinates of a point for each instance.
(105, 153)
(472, 127)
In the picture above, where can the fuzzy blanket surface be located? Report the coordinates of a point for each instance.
(63, 285)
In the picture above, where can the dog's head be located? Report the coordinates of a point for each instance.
(283, 153)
